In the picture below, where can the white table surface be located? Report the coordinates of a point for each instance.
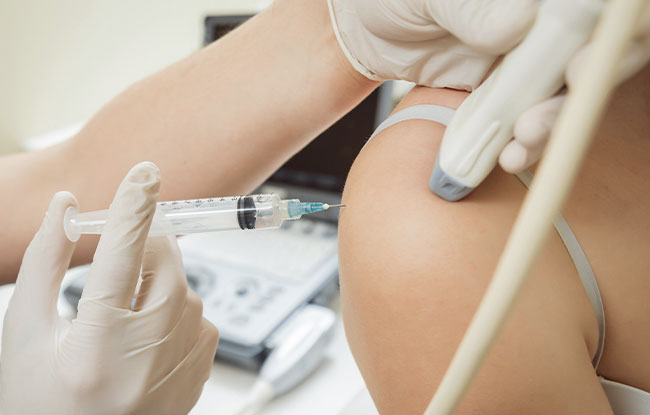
(329, 391)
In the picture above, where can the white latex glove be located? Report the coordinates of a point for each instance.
(438, 43)
(533, 127)
(111, 359)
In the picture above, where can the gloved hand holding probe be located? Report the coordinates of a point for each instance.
(453, 44)
(114, 357)
(533, 128)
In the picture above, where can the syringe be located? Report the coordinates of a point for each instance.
(265, 211)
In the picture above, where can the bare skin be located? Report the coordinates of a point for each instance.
(414, 271)
(216, 123)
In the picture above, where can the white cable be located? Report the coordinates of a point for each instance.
(261, 394)
(555, 177)
(298, 347)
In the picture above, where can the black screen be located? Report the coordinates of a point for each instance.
(325, 162)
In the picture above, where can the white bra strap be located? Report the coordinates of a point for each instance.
(436, 113)
(443, 115)
(584, 270)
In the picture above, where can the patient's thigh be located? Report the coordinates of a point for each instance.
(413, 270)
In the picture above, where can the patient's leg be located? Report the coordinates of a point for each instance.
(414, 268)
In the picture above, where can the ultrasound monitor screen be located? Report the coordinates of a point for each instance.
(325, 162)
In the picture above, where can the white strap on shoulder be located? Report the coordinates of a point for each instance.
(582, 266)
(436, 113)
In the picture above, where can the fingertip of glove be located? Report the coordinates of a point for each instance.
(59, 204)
(133, 207)
(140, 187)
(146, 174)
(513, 158)
(62, 200)
(143, 171)
(534, 125)
(529, 129)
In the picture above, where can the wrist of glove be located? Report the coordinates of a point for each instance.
(152, 357)
(437, 43)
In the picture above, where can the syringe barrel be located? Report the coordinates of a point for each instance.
(192, 216)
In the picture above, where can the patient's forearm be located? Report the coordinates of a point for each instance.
(217, 123)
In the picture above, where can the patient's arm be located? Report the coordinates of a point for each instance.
(413, 270)
(217, 123)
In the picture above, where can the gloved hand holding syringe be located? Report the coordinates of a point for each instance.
(264, 211)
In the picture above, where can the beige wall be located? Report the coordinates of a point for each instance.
(61, 60)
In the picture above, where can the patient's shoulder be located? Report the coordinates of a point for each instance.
(391, 211)
(414, 268)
